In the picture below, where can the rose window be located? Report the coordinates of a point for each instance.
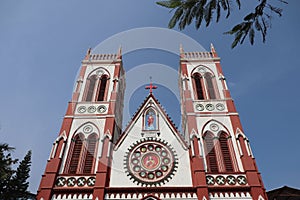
(151, 162)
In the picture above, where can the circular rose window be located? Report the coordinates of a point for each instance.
(150, 162)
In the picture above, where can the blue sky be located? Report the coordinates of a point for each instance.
(42, 44)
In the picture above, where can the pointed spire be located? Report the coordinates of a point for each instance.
(88, 53)
(181, 51)
(119, 52)
(212, 48)
(213, 51)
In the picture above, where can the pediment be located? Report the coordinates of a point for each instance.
(151, 121)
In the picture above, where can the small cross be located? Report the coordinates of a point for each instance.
(151, 86)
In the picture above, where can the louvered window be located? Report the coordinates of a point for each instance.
(77, 146)
(226, 154)
(90, 154)
(211, 157)
(102, 88)
(198, 85)
(90, 87)
(210, 86)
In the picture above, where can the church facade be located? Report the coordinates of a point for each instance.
(92, 158)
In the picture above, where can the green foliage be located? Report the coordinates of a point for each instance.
(199, 11)
(13, 183)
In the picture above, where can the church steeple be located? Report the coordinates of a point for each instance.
(212, 127)
(81, 155)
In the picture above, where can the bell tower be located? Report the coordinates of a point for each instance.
(222, 163)
(80, 159)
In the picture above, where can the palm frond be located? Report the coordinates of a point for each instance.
(175, 17)
(169, 4)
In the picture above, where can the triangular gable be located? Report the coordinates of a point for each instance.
(149, 102)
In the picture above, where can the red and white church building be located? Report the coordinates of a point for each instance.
(93, 158)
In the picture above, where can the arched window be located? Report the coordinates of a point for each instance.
(211, 157)
(102, 87)
(90, 87)
(150, 120)
(225, 152)
(91, 144)
(210, 86)
(81, 156)
(77, 143)
(199, 88)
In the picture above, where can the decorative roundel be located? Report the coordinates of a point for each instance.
(199, 107)
(81, 181)
(91, 109)
(241, 180)
(87, 129)
(220, 180)
(210, 107)
(210, 180)
(231, 180)
(151, 162)
(91, 181)
(220, 106)
(214, 127)
(101, 109)
(81, 109)
(61, 181)
(71, 182)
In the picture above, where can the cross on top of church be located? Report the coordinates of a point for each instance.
(151, 86)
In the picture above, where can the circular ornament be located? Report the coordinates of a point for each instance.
(210, 180)
(210, 107)
(61, 181)
(220, 106)
(91, 181)
(87, 129)
(241, 180)
(214, 127)
(199, 107)
(81, 109)
(231, 180)
(91, 109)
(220, 180)
(81, 181)
(71, 182)
(150, 162)
(101, 109)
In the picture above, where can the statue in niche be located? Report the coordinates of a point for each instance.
(150, 123)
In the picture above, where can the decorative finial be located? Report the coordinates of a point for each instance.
(119, 52)
(213, 51)
(212, 48)
(181, 49)
(88, 53)
(151, 86)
